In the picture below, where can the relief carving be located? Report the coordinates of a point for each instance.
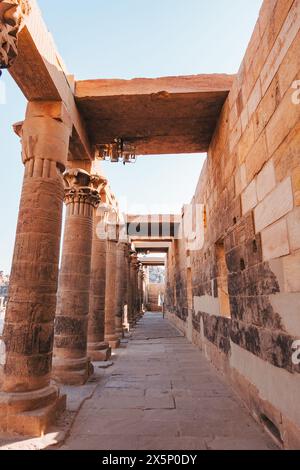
(12, 13)
(80, 188)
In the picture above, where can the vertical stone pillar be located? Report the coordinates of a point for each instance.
(146, 283)
(137, 300)
(98, 349)
(110, 288)
(133, 287)
(130, 291)
(120, 280)
(127, 290)
(71, 364)
(25, 369)
(141, 289)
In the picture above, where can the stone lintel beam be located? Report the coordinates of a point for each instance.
(27, 49)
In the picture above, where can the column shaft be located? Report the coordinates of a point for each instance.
(133, 289)
(128, 291)
(98, 349)
(110, 294)
(120, 280)
(71, 364)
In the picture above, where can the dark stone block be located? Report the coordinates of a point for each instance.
(216, 330)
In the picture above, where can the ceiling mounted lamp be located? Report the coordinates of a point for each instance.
(118, 151)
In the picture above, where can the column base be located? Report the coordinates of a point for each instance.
(113, 341)
(120, 332)
(72, 371)
(115, 344)
(30, 413)
(99, 352)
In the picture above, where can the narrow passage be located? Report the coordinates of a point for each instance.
(162, 394)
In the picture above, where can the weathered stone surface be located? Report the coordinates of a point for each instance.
(293, 224)
(232, 280)
(12, 13)
(28, 328)
(278, 203)
(71, 363)
(110, 295)
(291, 272)
(169, 115)
(216, 330)
(120, 289)
(177, 403)
(98, 349)
(249, 197)
(250, 189)
(274, 240)
(266, 180)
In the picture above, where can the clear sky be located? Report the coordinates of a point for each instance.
(126, 39)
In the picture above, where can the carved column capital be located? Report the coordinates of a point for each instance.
(134, 260)
(12, 13)
(80, 188)
(98, 183)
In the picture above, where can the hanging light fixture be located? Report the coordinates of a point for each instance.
(118, 151)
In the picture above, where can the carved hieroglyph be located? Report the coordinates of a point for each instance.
(71, 364)
(12, 13)
(98, 349)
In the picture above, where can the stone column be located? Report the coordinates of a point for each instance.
(127, 290)
(98, 349)
(133, 287)
(140, 280)
(137, 290)
(146, 282)
(71, 364)
(110, 288)
(141, 289)
(25, 369)
(120, 280)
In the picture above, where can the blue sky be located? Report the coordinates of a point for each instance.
(126, 39)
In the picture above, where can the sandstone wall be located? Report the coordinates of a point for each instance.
(245, 280)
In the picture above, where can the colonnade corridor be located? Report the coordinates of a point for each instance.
(162, 393)
(205, 227)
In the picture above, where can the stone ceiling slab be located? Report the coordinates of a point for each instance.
(168, 115)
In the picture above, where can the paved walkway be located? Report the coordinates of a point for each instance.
(162, 394)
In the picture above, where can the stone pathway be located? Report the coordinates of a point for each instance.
(162, 394)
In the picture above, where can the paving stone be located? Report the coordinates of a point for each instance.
(167, 443)
(163, 395)
(239, 443)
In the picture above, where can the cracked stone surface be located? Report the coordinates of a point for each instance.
(162, 394)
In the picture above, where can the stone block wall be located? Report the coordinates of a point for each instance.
(245, 312)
